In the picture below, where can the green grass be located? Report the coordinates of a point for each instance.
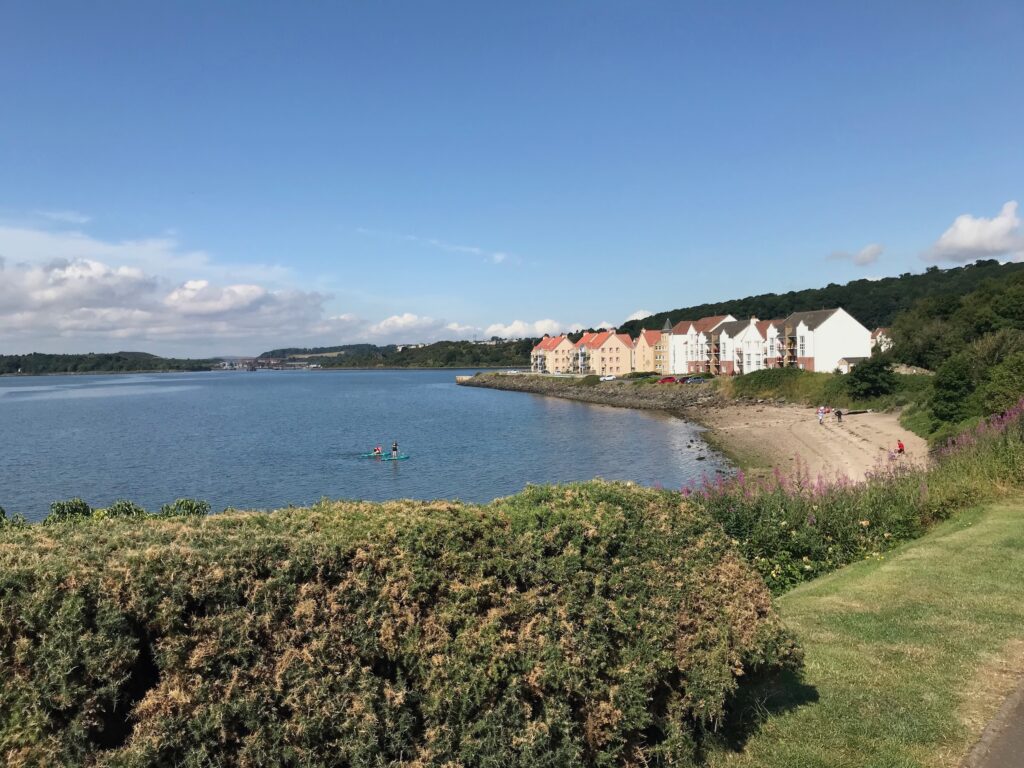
(901, 653)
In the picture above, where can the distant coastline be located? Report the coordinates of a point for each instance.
(271, 370)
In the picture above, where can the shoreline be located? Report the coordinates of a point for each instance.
(273, 370)
(756, 436)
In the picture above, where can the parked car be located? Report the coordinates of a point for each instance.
(513, 371)
(607, 378)
(696, 380)
(667, 380)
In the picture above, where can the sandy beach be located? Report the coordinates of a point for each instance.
(763, 435)
(755, 435)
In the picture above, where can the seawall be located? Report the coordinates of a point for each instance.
(686, 400)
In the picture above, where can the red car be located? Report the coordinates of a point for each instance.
(667, 380)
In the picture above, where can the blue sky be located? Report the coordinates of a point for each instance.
(195, 177)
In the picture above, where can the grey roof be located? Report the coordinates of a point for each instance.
(667, 328)
(855, 359)
(811, 319)
(732, 327)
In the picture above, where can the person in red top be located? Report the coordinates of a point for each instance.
(900, 448)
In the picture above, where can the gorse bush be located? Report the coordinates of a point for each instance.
(596, 624)
(185, 507)
(78, 509)
(121, 508)
(72, 509)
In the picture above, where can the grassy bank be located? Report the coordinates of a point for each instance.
(907, 655)
(809, 388)
(795, 528)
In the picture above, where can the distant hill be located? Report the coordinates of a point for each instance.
(441, 354)
(873, 302)
(344, 349)
(105, 362)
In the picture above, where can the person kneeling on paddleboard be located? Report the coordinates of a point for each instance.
(378, 451)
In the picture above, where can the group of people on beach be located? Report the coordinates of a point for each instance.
(823, 411)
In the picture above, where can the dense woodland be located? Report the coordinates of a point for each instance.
(975, 345)
(112, 362)
(874, 303)
(442, 354)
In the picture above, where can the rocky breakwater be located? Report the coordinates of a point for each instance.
(686, 400)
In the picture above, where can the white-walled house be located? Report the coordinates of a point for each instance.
(689, 345)
(818, 340)
(774, 334)
(725, 345)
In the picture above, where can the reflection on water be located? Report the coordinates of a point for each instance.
(264, 440)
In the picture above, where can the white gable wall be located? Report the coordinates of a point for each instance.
(680, 349)
(839, 336)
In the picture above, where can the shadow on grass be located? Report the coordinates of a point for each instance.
(756, 702)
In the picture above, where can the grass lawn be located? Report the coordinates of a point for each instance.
(907, 656)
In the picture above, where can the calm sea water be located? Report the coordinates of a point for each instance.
(268, 439)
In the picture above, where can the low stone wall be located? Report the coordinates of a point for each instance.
(682, 399)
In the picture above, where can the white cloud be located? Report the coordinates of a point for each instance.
(519, 329)
(867, 255)
(65, 217)
(157, 255)
(198, 297)
(410, 327)
(67, 291)
(487, 255)
(606, 324)
(975, 237)
(640, 314)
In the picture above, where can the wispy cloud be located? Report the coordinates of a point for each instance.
(867, 255)
(64, 217)
(519, 329)
(640, 314)
(975, 237)
(485, 254)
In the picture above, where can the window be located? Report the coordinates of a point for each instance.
(748, 359)
(803, 348)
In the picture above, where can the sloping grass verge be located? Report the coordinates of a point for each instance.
(906, 654)
(792, 529)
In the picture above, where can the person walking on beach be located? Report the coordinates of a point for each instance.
(821, 414)
(839, 416)
(394, 450)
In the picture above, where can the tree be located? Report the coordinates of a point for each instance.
(952, 390)
(1005, 385)
(871, 378)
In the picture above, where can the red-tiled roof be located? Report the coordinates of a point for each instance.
(625, 339)
(706, 324)
(587, 339)
(764, 325)
(682, 327)
(652, 337)
(548, 343)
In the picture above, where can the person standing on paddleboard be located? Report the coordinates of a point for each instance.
(394, 450)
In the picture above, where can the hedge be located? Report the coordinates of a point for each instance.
(596, 624)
